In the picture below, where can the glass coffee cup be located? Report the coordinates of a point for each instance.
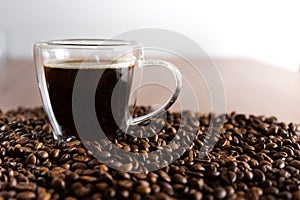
(86, 84)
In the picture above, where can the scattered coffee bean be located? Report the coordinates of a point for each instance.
(295, 163)
(58, 184)
(43, 154)
(220, 193)
(143, 189)
(31, 159)
(177, 178)
(26, 195)
(255, 157)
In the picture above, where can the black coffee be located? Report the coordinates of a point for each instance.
(60, 78)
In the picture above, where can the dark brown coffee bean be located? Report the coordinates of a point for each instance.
(259, 151)
(253, 163)
(31, 159)
(248, 175)
(271, 190)
(228, 176)
(5, 144)
(258, 175)
(164, 176)
(7, 194)
(73, 143)
(25, 186)
(285, 195)
(152, 177)
(110, 193)
(43, 194)
(136, 197)
(229, 190)
(162, 196)
(280, 164)
(43, 154)
(257, 191)
(22, 140)
(265, 184)
(125, 184)
(167, 188)
(209, 197)
(56, 153)
(88, 178)
(143, 189)
(220, 193)
(295, 163)
(58, 184)
(26, 195)
(213, 174)
(272, 131)
(197, 167)
(177, 178)
(155, 188)
(287, 150)
(65, 158)
(124, 193)
(143, 182)
(79, 158)
(78, 165)
(90, 172)
(197, 196)
(102, 186)
(83, 191)
(73, 198)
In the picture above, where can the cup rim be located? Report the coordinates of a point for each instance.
(89, 42)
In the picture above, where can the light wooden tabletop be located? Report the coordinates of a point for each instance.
(250, 87)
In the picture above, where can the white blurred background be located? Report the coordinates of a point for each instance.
(267, 31)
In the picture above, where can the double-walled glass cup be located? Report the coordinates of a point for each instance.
(86, 84)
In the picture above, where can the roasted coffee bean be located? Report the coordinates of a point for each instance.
(167, 188)
(197, 167)
(220, 193)
(110, 193)
(155, 188)
(78, 165)
(228, 176)
(58, 184)
(164, 176)
(43, 154)
(248, 175)
(286, 195)
(251, 151)
(25, 186)
(271, 190)
(295, 163)
(80, 158)
(177, 178)
(258, 175)
(22, 140)
(7, 194)
(229, 190)
(280, 164)
(26, 195)
(31, 159)
(88, 179)
(55, 153)
(143, 189)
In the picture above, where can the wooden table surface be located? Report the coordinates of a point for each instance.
(250, 87)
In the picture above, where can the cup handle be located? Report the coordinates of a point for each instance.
(178, 78)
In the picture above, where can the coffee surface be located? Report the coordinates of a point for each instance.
(113, 82)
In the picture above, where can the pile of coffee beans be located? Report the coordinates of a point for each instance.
(255, 157)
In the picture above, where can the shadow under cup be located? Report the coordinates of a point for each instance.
(93, 78)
